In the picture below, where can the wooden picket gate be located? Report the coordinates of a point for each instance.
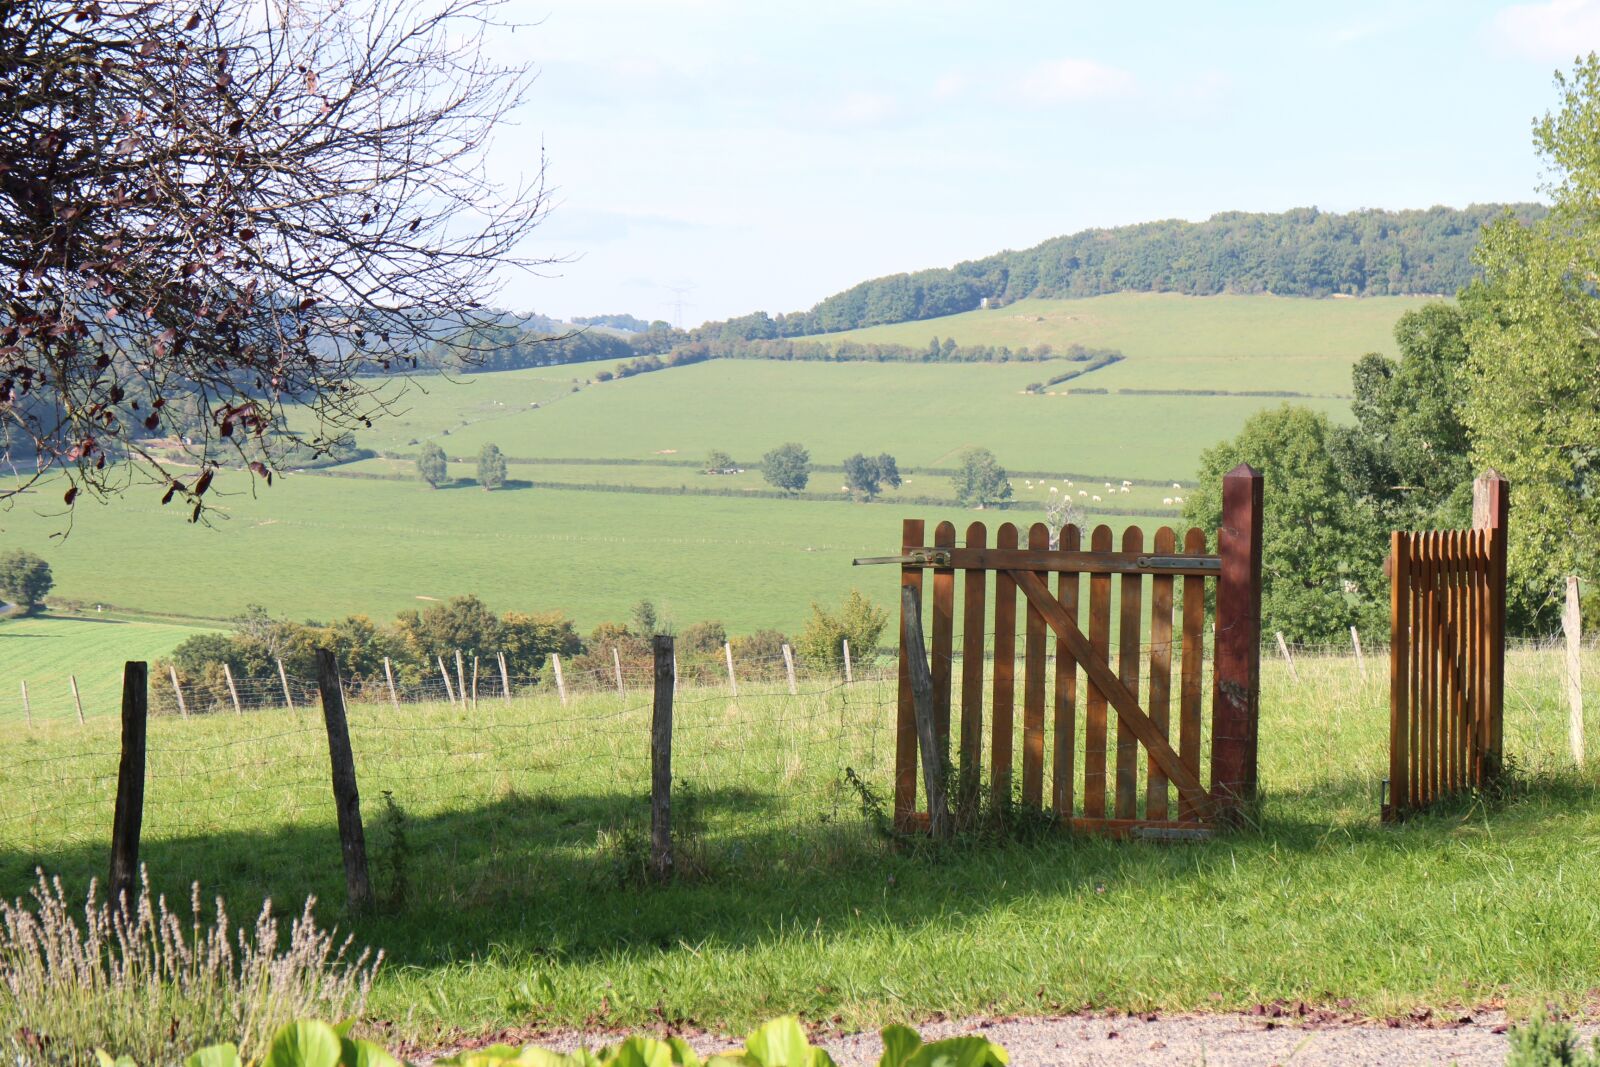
(1139, 724)
(1447, 655)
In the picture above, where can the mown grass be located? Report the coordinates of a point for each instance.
(46, 650)
(524, 834)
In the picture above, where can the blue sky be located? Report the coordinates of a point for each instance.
(769, 154)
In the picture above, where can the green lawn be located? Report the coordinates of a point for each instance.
(524, 825)
(45, 651)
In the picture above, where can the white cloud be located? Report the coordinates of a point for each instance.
(1071, 80)
(864, 109)
(1554, 30)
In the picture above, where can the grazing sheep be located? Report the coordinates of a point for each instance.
(1125, 489)
(1177, 485)
(1082, 493)
(1167, 500)
(1069, 485)
(1177, 500)
(1053, 489)
(1096, 499)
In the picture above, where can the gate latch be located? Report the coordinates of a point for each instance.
(931, 557)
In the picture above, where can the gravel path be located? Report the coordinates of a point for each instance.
(1260, 1040)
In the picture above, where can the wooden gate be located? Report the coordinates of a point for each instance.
(1079, 773)
(1447, 654)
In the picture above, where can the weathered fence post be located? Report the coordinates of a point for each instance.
(1491, 511)
(76, 699)
(172, 672)
(474, 682)
(450, 694)
(128, 816)
(1572, 623)
(27, 709)
(912, 535)
(933, 761)
(388, 676)
(1361, 661)
(849, 675)
(1283, 647)
(233, 690)
(461, 681)
(733, 683)
(346, 799)
(505, 678)
(283, 676)
(1236, 695)
(616, 661)
(561, 682)
(661, 759)
(788, 666)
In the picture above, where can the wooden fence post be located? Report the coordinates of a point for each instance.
(461, 681)
(1283, 647)
(849, 675)
(1572, 623)
(561, 683)
(450, 694)
(505, 678)
(283, 676)
(388, 676)
(172, 672)
(616, 661)
(128, 817)
(933, 761)
(27, 709)
(788, 665)
(1491, 510)
(912, 535)
(346, 799)
(733, 683)
(661, 759)
(1236, 694)
(233, 690)
(76, 699)
(1361, 661)
(474, 682)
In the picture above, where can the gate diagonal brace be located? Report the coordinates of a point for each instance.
(1126, 703)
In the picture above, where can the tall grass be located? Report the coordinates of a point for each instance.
(154, 984)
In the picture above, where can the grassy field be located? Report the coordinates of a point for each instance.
(522, 835)
(318, 547)
(45, 650)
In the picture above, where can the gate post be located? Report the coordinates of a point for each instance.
(912, 533)
(1491, 510)
(1236, 696)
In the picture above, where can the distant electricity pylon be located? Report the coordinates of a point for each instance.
(678, 293)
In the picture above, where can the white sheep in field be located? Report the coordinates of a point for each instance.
(1126, 482)
(1096, 499)
(1069, 485)
(1126, 489)
(1082, 493)
(1167, 500)
(1053, 489)
(1177, 485)
(1108, 485)
(1177, 500)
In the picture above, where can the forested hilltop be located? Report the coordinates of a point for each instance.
(1304, 252)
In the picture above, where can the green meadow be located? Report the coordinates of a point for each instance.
(623, 516)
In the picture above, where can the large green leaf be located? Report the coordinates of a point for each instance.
(212, 1056)
(782, 1043)
(358, 1053)
(958, 1052)
(105, 1059)
(899, 1042)
(639, 1052)
(304, 1043)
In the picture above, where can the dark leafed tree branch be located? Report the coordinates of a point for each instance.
(211, 212)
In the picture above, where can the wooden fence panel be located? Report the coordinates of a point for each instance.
(972, 649)
(1160, 702)
(1005, 684)
(1063, 761)
(1128, 632)
(1033, 691)
(1094, 740)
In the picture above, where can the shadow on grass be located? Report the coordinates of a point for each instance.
(564, 876)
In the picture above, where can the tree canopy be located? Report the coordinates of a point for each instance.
(787, 467)
(433, 466)
(980, 480)
(25, 579)
(213, 211)
(867, 475)
(491, 467)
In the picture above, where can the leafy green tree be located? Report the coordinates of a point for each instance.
(980, 480)
(788, 467)
(462, 622)
(857, 620)
(718, 460)
(432, 465)
(1533, 408)
(888, 470)
(867, 475)
(528, 639)
(491, 467)
(1408, 456)
(25, 579)
(647, 622)
(1321, 550)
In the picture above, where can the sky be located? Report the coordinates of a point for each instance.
(763, 155)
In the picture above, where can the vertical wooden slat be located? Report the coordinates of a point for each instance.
(1094, 740)
(972, 649)
(944, 614)
(1190, 701)
(1458, 654)
(1430, 668)
(1399, 672)
(1158, 706)
(1447, 695)
(1005, 651)
(1418, 649)
(1033, 690)
(1484, 615)
(1236, 689)
(905, 738)
(1062, 762)
(1131, 589)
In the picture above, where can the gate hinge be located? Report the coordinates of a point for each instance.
(932, 557)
